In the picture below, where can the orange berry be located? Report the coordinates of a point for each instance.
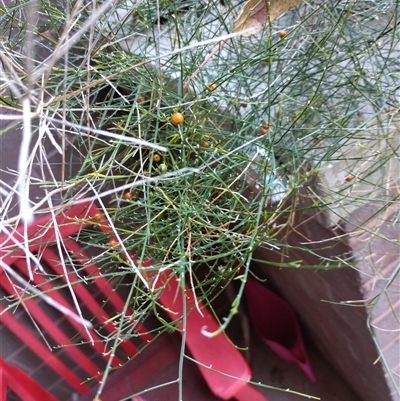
(156, 157)
(282, 33)
(212, 87)
(113, 242)
(128, 195)
(349, 177)
(177, 118)
(141, 99)
(206, 144)
(244, 105)
(263, 130)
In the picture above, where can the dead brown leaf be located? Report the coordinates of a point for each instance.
(254, 14)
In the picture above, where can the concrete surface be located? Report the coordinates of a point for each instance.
(375, 240)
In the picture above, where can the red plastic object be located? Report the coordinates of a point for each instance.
(216, 352)
(276, 323)
(41, 235)
(21, 384)
(221, 364)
